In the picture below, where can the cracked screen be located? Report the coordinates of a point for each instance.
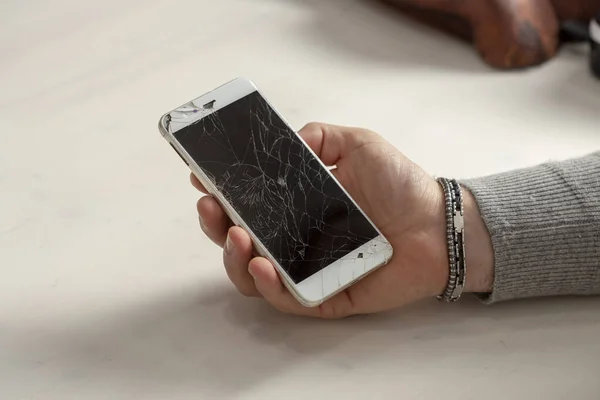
(274, 182)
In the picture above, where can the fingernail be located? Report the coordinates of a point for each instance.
(229, 246)
(201, 222)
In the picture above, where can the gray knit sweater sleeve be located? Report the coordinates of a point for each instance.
(545, 228)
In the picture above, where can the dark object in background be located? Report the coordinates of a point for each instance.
(508, 34)
(574, 32)
(578, 32)
(595, 42)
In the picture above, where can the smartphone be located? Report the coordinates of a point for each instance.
(270, 183)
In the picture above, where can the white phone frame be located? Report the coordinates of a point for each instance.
(322, 285)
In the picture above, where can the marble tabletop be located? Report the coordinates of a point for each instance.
(110, 291)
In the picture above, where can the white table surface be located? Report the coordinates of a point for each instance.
(108, 289)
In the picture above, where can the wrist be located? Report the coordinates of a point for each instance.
(479, 250)
(478, 247)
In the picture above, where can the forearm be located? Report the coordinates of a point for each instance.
(544, 230)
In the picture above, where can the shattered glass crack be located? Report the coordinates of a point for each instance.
(290, 202)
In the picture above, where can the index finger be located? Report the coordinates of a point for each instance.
(332, 142)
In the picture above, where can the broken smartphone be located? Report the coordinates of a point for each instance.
(270, 183)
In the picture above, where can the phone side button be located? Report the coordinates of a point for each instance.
(179, 154)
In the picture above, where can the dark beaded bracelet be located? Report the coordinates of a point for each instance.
(455, 228)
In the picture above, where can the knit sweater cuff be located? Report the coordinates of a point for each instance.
(544, 223)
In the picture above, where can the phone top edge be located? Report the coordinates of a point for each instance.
(238, 80)
(196, 109)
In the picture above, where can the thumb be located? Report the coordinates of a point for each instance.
(332, 143)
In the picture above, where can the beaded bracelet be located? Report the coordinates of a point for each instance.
(455, 228)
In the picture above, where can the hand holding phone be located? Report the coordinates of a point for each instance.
(399, 197)
(322, 208)
(273, 185)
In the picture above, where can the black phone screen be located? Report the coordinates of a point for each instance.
(277, 186)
